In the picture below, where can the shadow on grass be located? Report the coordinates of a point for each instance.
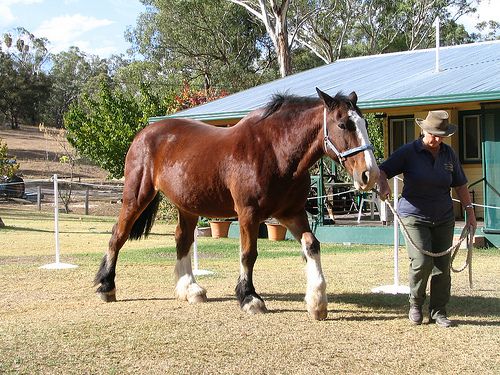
(144, 299)
(459, 306)
(26, 229)
(85, 231)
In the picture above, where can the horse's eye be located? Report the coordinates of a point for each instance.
(341, 125)
(351, 126)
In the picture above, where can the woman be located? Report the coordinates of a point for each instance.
(430, 168)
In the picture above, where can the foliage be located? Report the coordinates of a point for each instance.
(375, 134)
(217, 48)
(188, 98)
(102, 124)
(8, 165)
(203, 222)
(273, 15)
(71, 70)
(69, 157)
(167, 211)
(331, 29)
(24, 86)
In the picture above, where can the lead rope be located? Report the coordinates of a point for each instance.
(467, 233)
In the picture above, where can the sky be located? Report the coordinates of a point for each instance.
(95, 26)
(98, 26)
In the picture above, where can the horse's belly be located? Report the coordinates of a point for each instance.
(196, 190)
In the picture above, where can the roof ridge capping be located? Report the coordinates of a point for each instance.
(415, 51)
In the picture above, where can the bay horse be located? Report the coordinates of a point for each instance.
(257, 169)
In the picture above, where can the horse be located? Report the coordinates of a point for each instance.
(254, 170)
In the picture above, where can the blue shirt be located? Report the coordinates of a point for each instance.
(426, 181)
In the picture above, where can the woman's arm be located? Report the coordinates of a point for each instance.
(464, 197)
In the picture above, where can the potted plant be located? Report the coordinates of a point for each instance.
(275, 231)
(203, 227)
(220, 227)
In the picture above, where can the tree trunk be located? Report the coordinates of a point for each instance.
(283, 52)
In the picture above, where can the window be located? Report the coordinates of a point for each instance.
(470, 137)
(402, 131)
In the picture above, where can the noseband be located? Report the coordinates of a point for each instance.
(342, 156)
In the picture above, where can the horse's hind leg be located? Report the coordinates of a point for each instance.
(107, 270)
(186, 288)
(138, 200)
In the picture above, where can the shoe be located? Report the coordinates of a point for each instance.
(442, 321)
(415, 314)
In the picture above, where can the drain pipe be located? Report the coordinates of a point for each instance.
(436, 24)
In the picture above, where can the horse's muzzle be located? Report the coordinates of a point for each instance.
(367, 179)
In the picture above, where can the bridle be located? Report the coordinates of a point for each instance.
(342, 156)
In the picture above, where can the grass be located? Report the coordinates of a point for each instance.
(51, 322)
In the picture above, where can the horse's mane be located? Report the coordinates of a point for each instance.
(280, 100)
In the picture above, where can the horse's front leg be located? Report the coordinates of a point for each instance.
(316, 299)
(186, 288)
(248, 298)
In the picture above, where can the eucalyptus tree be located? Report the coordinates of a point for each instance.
(210, 43)
(25, 85)
(70, 71)
(273, 15)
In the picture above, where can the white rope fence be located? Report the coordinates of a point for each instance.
(395, 288)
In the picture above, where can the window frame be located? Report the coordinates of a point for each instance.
(404, 118)
(462, 116)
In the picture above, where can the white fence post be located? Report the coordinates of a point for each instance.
(394, 288)
(197, 271)
(57, 265)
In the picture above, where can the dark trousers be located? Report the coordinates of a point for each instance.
(434, 237)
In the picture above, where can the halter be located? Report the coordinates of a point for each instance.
(342, 156)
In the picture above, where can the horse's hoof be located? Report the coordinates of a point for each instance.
(108, 296)
(198, 298)
(319, 314)
(254, 306)
(196, 294)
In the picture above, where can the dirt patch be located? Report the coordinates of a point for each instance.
(52, 322)
(38, 156)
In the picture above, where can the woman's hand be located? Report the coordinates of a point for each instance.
(471, 218)
(464, 197)
(383, 186)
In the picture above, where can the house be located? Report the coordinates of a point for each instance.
(399, 87)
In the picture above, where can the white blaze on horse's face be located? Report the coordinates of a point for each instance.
(362, 133)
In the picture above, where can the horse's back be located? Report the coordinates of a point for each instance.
(184, 159)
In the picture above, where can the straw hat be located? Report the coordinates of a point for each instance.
(437, 123)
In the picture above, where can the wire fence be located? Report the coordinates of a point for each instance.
(73, 196)
(93, 198)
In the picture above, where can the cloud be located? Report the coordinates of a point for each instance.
(66, 31)
(487, 10)
(6, 16)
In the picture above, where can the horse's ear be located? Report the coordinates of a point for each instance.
(327, 99)
(353, 97)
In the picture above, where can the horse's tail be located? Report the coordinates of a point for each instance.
(144, 223)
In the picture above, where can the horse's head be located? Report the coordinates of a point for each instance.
(346, 139)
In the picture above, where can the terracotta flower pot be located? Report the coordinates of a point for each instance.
(276, 232)
(219, 228)
(204, 231)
